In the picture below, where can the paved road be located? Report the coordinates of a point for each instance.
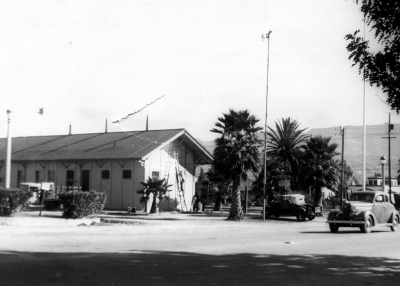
(198, 249)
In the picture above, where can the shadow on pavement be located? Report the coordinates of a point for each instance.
(182, 268)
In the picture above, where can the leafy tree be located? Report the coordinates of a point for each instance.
(157, 188)
(276, 171)
(382, 67)
(236, 152)
(285, 144)
(319, 169)
(348, 173)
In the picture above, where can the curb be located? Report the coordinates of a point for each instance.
(46, 221)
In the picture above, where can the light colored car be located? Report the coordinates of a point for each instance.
(35, 189)
(365, 209)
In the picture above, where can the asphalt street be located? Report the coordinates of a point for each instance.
(195, 249)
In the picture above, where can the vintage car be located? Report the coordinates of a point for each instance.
(293, 204)
(47, 189)
(365, 209)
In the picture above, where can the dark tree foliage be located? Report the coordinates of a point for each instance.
(236, 152)
(319, 168)
(383, 67)
(276, 171)
(285, 144)
(348, 173)
(157, 188)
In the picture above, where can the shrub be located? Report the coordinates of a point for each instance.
(13, 200)
(81, 204)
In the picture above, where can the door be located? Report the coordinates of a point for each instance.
(379, 209)
(389, 208)
(85, 180)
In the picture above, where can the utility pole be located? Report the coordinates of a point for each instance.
(342, 175)
(265, 131)
(8, 154)
(390, 128)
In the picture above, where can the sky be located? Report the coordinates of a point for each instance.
(85, 62)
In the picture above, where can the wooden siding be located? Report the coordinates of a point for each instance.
(138, 175)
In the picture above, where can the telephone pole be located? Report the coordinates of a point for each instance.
(390, 128)
(342, 175)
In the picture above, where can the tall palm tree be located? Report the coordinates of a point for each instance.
(285, 144)
(236, 152)
(319, 169)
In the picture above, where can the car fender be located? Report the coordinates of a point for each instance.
(395, 213)
(367, 214)
(332, 215)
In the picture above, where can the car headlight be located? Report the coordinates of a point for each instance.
(353, 211)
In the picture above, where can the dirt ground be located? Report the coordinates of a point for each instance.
(193, 249)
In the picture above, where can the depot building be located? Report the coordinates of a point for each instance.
(111, 162)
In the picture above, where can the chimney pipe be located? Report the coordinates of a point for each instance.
(70, 128)
(106, 125)
(147, 123)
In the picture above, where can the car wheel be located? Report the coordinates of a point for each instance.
(366, 228)
(395, 223)
(333, 227)
(268, 213)
(301, 215)
(277, 214)
(311, 217)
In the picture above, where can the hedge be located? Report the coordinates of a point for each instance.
(13, 200)
(81, 204)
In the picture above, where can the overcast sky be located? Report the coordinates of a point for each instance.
(85, 61)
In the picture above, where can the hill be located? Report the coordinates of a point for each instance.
(376, 146)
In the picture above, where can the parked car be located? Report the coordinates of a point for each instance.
(293, 204)
(365, 209)
(46, 189)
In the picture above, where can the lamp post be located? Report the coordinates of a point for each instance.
(8, 158)
(383, 162)
(265, 130)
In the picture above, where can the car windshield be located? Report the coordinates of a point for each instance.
(364, 197)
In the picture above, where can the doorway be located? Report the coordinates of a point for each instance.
(85, 180)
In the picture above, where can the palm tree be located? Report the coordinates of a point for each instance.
(285, 144)
(157, 188)
(319, 169)
(236, 152)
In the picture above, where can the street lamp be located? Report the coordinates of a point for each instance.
(265, 131)
(383, 162)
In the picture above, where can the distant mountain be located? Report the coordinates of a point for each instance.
(376, 146)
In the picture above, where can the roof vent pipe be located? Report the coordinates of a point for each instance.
(106, 125)
(147, 123)
(70, 128)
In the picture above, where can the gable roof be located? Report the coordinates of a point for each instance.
(96, 146)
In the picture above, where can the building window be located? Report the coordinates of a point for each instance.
(126, 174)
(155, 175)
(38, 176)
(105, 174)
(51, 176)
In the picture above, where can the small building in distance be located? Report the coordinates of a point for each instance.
(113, 162)
(375, 183)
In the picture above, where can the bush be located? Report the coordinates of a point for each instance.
(81, 204)
(13, 200)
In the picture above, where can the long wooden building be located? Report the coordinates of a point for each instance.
(113, 162)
